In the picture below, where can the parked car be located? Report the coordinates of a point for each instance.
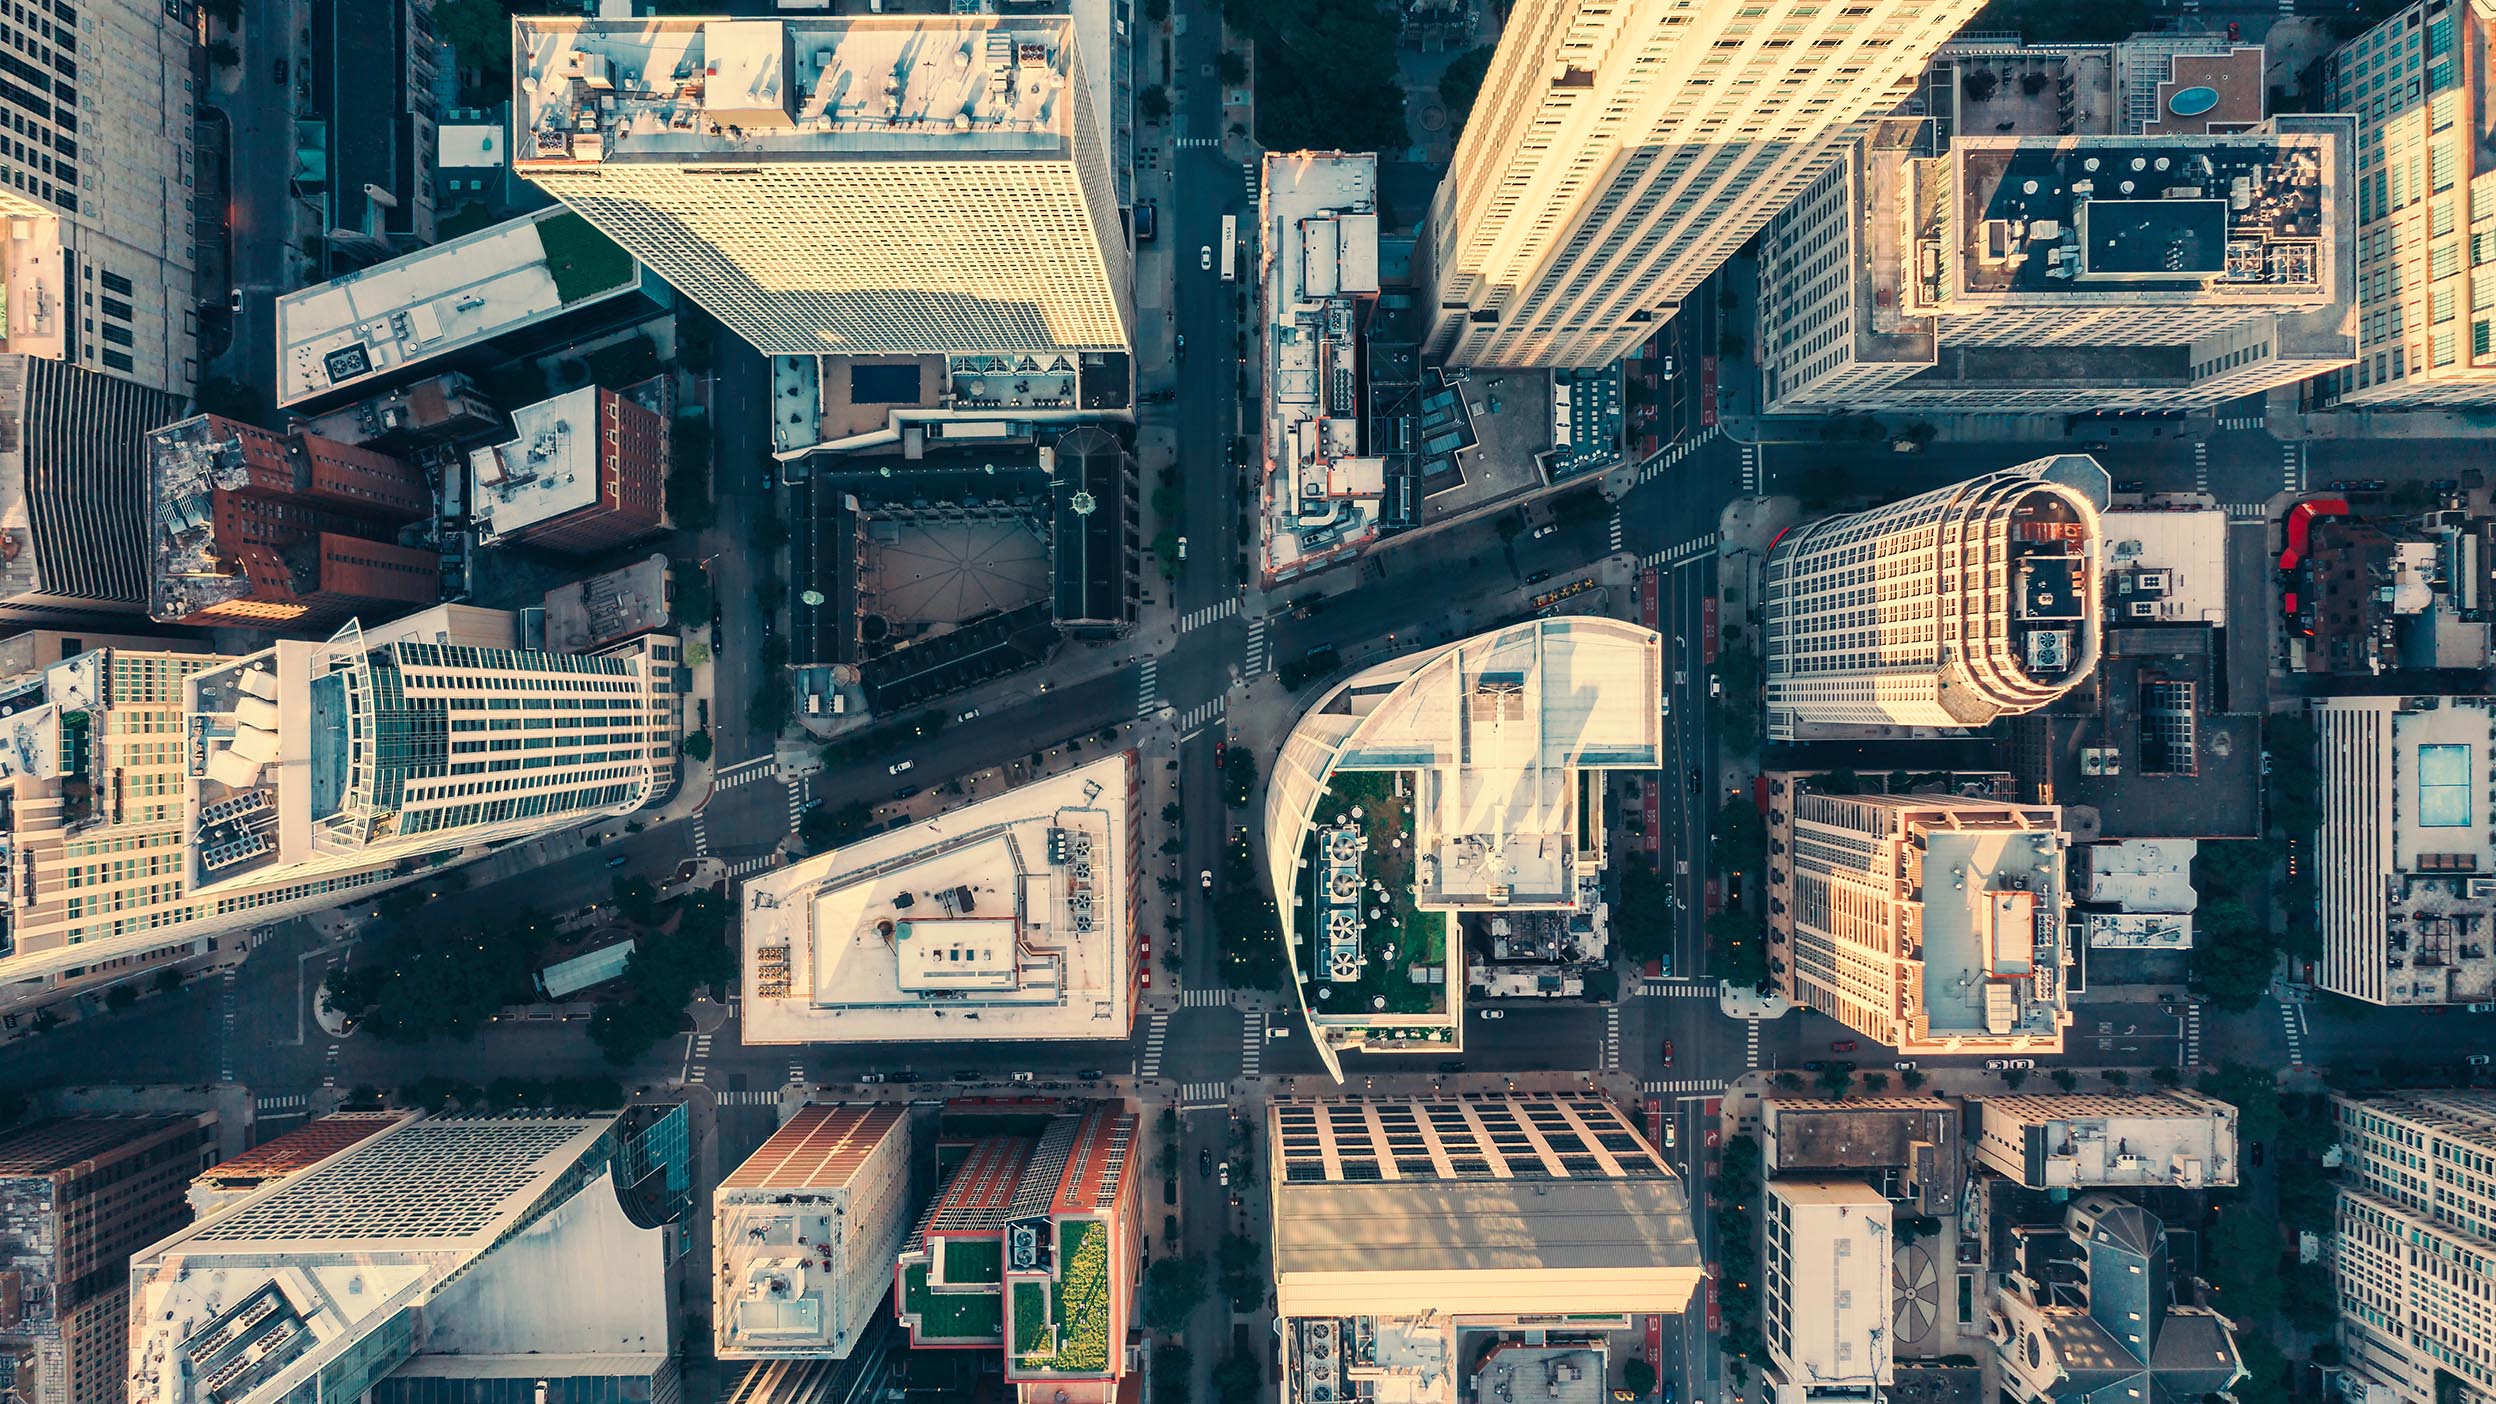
(898, 767)
(1545, 529)
(871, 1079)
(1843, 1045)
(1672, 1133)
(2009, 1064)
(967, 714)
(905, 1075)
(966, 1075)
(1090, 1074)
(1537, 577)
(1224, 1178)
(2477, 1060)
(1204, 1163)
(905, 792)
(1904, 1065)
(1494, 1013)
(1204, 257)
(1204, 879)
(277, 70)
(2131, 485)
(2255, 1151)
(1451, 1066)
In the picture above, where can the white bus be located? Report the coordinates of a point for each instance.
(1230, 248)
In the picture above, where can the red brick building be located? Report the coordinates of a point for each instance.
(583, 472)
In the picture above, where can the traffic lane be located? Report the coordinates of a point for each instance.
(1203, 817)
(173, 1038)
(997, 738)
(1411, 601)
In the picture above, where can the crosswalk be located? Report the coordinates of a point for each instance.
(1210, 614)
(1750, 470)
(1617, 530)
(747, 867)
(697, 1058)
(1683, 1087)
(2201, 465)
(1674, 453)
(265, 1106)
(2244, 421)
(1254, 661)
(1148, 688)
(1196, 1094)
(2192, 1034)
(797, 1072)
(801, 794)
(329, 1068)
(225, 1028)
(1678, 989)
(2247, 511)
(742, 773)
(760, 1097)
(1197, 143)
(1205, 999)
(701, 836)
(1675, 555)
(1251, 1044)
(2287, 7)
(1202, 714)
(1156, 1033)
(1611, 1061)
(1750, 1044)
(2292, 467)
(2292, 1024)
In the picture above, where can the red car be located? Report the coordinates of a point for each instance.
(1843, 1045)
(1668, 1052)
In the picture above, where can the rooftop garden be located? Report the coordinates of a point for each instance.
(1398, 939)
(959, 1317)
(585, 262)
(973, 1260)
(1079, 1302)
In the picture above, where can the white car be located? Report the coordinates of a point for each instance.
(1224, 1179)
(969, 714)
(1494, 1013)
(1204, 257)
(2009, 1064)
(898, 767)
(1205, 879)
(1182, 548)
(1545, 529)
(1715, 686)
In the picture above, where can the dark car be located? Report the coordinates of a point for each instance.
(905, 1075)
(1204, 1164)
(2131, 485)
(905, 792)
(1538, 577)
(277, 70)
(1816, 1065)
(1090, 1074)
(1451, 1066)
(1694, 779)
(2256, 1152)
(966, 1075)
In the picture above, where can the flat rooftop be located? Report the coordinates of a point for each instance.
(2073, 1141)
(1861, 1133)
(1008, 918)
(1319, 213)
(548, 467)
(862, 87)
(1989, 912)
(2240, 217)
(409, 310)
(2165, 567)
(1836, 1315)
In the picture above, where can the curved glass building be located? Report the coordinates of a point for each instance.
(1466, 777)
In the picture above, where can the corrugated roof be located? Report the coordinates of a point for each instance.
(306, 1145)
(818, 1148)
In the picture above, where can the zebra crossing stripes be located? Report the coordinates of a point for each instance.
(1685, 1087)
(801, 794)
(1674, 453)
(1148, 688)
(1248, 183)
(797, 1072)
(2292, 467)
(2247, 421)
(1210, 614)
(742, 773)
(2291, 1025)
(1675, 555)
(1251, 1044)
(2192, 1035)
(2247, 511)
(1204, 1093)
(329, 1067)
(1156, 1032)
(1750, 1044)
(2287, 7)
(1678, 989)
(1611, 1061)
(225, 1028)
(1617, 530)
(697, 1058)
(747, 867)
(265, 1106)
(701, 837)
(2201, 465)
(1254, 660)
(1750, 470)
(769, 1097)
(1204, 999)
(1202, 714)
(1197, 143)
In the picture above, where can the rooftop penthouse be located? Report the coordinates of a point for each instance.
(593, 92)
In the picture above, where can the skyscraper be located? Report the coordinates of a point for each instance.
(74, 489)
(2415, 1251)
(1618, 153)
(2405, 846)
(152, 800)
(1948, 609)
(79, 1195)
(904, 184)
(805, 1233)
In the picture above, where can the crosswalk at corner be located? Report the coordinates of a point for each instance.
(2247, 511)
(1675, 555)
(1611, 1038)
(1618, 531)
(747, 867)
(225, 1040)
(743, 772)
(1204, 1094)
(1148, 688)
(1203, 999)
(1254, 661)
(2292, 467)
(1156, 1032)
(1750, 470)
(801, 794)
(1674, 453)
(1684, 1087)
(2192, 1034)
(701, 837)
(2201, 465)
(1750, 1044)
(1200, 715)
(1210, 614)
(2292, 1023)
(759, 1097)
(697, 1058)
(1677, 989)
(2246, 421)
(1251, 1043)
(1197, 143)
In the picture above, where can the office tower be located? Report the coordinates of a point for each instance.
(582, 473)
(98, 265)
(2073, 273)
(1619, 153)
(154, 799)
(283, 531)
(1010, 918)
(1463, 777)
(1825, 1295)
(1033, 1248)
(472, 1239)
(2415, 1252)
(2407, 848)
(230, 1182)
(79, 1195)
(1325, 498)
(805, 1233)
(1947, 610)
(874, 183)
(2100, 1313)
(2091, 1140)
(1933, 923)
(1418, 1238)
(381, 103)
(74, 485)
(2418, 84)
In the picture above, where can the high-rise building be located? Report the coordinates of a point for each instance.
(74, 489)
(155, 799)
(1415, 1235)
(2414, 1256)
(1461, 777)
(2101, 1312)
(1618, 153)
(381, 102)
(1033, 1248)
(582, 473)
(283, 531)
(806, 1231)
(867, 184)
(2405, 859)
(2419, 87)
(99, 266)
(1949, 609)
(1825, 1295)
(2091, 1140)
(2071, 273)
(79, 1195)
(1325, 497)
(229, 1182)
(475, 1237)
(1933, 923)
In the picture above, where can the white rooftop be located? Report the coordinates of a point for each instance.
(1837, 1282)
(468, 146)
(409, 310)
(2140, 875)
(2085, 1140)
(547, 468)
(1320, 246)
(2165, 567)
(1002, 919)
